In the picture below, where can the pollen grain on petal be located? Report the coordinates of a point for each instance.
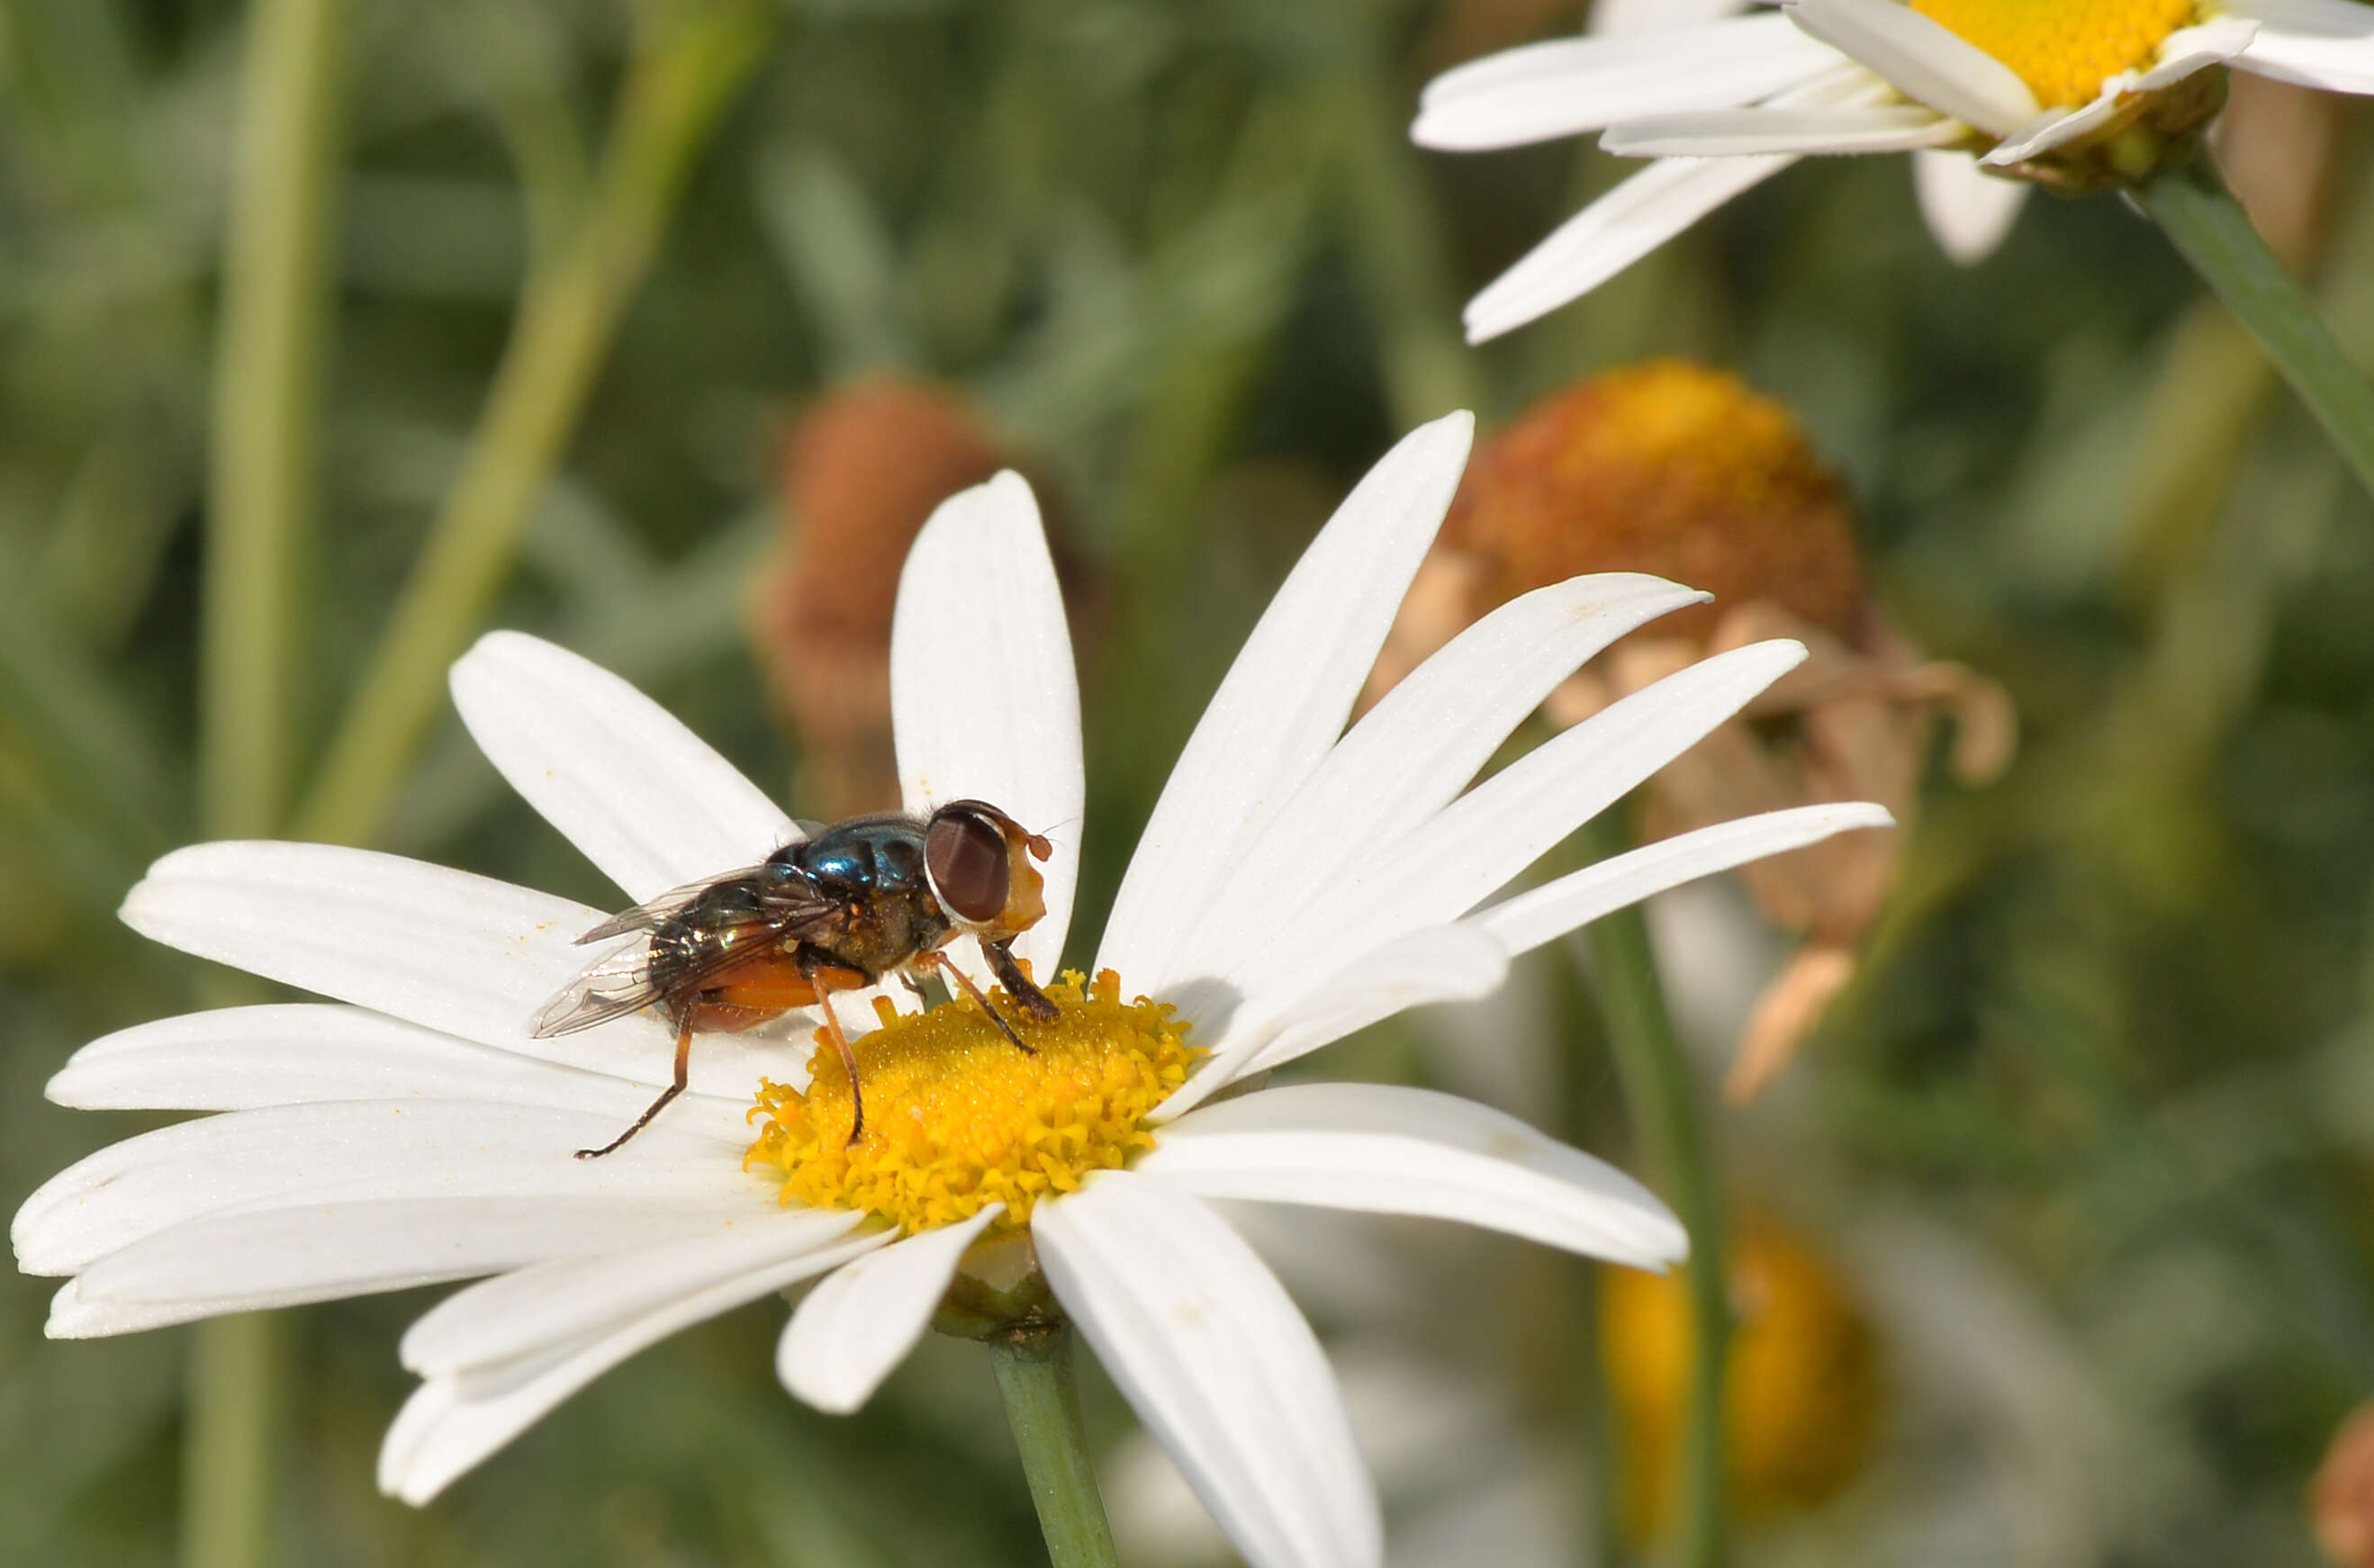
(957, 1118)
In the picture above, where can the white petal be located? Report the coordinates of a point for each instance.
(1456, 963)
(2333, 20)
(1384, 1148)
(1891, 127)
(1201, 1339)
(2052, 129)
(236, 1058)
(1926, 59)
(529, 1315)
(1803, 132)
(1968, 210)
(461, 954)
(1615, 19)
(1478, 842)
(860, 1320)
(983, 692)
(2313, 56)
(642, 797)
(292, 1155)
(1567, 86)
(1610, 234)
(1414, 750)
(2316, 44)
(322, 1251)
(2188, 51)
(1282, 705)
(1579, 897)
(449, 1425)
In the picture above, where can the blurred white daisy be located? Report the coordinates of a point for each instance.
(2074, 93)
(1297, 882)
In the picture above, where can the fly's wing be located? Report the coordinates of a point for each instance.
(625, 979)
(652, 911)
(614, 985)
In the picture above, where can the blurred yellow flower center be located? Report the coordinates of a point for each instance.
(1672, 468)
(957, 1118)
(2065, 49)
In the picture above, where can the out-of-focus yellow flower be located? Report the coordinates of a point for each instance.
(1684, 471)
(1804, 1393)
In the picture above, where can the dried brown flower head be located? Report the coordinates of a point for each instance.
(1683, 471)
(860, 476)
(1669, 468)
(2341, 1501)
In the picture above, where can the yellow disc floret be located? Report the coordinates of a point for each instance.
(957, 1118)
(2065, 49)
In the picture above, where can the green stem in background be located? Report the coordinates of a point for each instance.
(268, 388)
(688, 70)
(1042, 1404)
(1662, 1093)
(275, 293)
(2201, 219)
(237, 1392)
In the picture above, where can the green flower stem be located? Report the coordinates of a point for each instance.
(1662, 1093)
(2201, 218)
(1042, 1404)
(276, 295)
(237, 1389)
(267, 392)
(689, 69)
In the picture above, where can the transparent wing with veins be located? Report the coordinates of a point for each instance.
(653, 912)
(617, 983)
(624, 979)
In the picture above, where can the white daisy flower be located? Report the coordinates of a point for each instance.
(2080, 94)
(1297, 881)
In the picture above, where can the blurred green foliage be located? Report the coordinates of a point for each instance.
(2093, 1134)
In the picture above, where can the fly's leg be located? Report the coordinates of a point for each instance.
(848, 1065)
(683, 1061)
(940, 960)
(1020, 986)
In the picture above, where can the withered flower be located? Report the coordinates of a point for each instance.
(861, 475)
(2341, 1501)
(1683, 471)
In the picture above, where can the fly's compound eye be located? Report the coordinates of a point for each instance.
(966, 856)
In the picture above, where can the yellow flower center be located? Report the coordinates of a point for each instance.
(957, 1118)
(2065, 49)
(1672, 468)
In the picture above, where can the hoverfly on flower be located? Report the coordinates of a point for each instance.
(834, 911)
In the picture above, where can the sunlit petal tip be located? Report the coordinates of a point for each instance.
(984, 696)
(1225, 1372)
(1970, 212)
(1282, 705)
(858, 1324)
(647, 801)
(1610, 234)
